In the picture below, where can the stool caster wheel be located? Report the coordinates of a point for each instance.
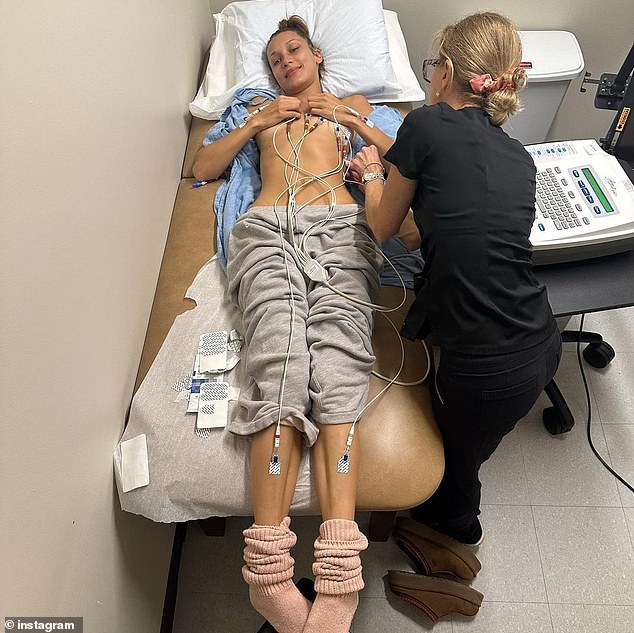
(555, 423)
(598, 354)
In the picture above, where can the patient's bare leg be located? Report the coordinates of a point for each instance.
(337, 566)
(337, 492)
(272, 494)
(269, 565)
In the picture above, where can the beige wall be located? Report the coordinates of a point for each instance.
(604, 31)
(93, 124)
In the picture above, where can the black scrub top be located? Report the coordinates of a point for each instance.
(474, 206)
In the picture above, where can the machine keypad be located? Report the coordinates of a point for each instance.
(553, 201)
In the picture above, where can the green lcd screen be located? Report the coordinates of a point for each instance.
(587, 172)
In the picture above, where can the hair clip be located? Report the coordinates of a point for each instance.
(482, 84)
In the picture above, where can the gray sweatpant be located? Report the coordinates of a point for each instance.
(330, 357)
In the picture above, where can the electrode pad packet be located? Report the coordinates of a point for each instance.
(217, 354)
(212, 351)
(213, 405)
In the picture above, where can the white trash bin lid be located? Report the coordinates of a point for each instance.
(554, 55)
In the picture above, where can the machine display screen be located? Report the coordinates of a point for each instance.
(587, 172)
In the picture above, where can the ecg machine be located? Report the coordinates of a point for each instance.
(584, 202)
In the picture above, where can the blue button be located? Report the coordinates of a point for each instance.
(541, 227)
(585, 192)
(597, 210)
(581, 183)
(575, 173)
(564, 150)
(590, 199)
(539, 152)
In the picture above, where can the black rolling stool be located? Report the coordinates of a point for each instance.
(598, 353)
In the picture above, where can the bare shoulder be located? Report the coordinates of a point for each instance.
(359, 103)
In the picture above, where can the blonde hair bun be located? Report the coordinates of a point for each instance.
(485, 43)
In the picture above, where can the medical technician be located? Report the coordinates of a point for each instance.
(472, 190)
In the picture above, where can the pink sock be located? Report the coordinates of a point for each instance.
(269, 574)
(338, 580)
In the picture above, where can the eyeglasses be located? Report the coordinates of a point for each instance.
(428, 68)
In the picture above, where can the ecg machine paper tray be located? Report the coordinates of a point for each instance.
(584, 204)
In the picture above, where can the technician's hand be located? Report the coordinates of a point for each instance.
(281, 109)
(366, 160)
(330, 107)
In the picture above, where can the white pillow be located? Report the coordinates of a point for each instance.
(408, 87)
(243, 28)
(218, 84)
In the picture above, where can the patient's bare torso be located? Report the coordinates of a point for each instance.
(318, 153)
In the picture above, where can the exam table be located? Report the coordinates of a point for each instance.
(402, 458)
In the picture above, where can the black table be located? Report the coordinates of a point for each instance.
(591, 285)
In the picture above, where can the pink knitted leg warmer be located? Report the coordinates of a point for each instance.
(269, 574)
(337, 570)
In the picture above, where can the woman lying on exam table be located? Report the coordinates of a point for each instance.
(312, 387)
(472, 191)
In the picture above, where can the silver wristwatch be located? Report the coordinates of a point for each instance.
(372, 175)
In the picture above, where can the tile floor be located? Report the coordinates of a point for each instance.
(559, 550)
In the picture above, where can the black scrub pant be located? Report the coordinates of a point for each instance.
(477, 400)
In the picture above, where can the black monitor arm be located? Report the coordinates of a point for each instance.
(611, 87)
